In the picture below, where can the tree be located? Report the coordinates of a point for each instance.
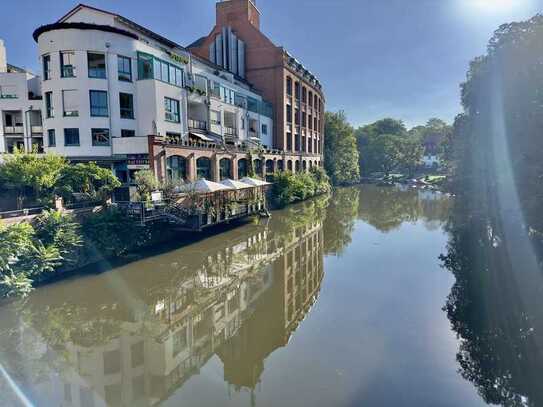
(146, 183)
(340, 150)
(39, 172)
(94, 182)
(410, 154)
(382, 153)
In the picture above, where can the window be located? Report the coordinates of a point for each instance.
(98, 103)
(242, 123)
(112, 362)
(124, 68)
(289, 86)
(67, 64)
(310, 99)
(71, 137)
(297, 116)
(264, 129)
(128, 133)
(297, 90)
(49, 108)
(315, 127)
(97, 65)
(171, 107)
(289, 114)
(179, 341)
(310, 121)
(289, 141)
(69, 103)
(46, 67)
(215, 117)
(304, 119)
(100, 137)
(176, 168)
(51, 138)
(145, 66)
(126, 101)
(304, 95)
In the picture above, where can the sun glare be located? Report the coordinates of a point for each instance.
(496, 5)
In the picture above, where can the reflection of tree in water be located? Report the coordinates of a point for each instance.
(340, 218)
(387, 208)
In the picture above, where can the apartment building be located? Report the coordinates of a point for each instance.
(109, 83)
(119, 94)
(237, 44)
(20, 108)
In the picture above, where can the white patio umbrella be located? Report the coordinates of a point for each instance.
(254, 182)
(236, 184)
(204, 186)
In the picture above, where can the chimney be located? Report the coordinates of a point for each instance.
(3, 58)
(230, 12)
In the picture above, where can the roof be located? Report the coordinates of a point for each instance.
(80, 26)
(198, 42)
(126, 21)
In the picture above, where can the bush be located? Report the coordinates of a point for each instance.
(94, 182)
(30, 251)
(289, 187)
(146, 183)
(112, 234)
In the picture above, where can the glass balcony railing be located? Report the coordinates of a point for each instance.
(197, 124)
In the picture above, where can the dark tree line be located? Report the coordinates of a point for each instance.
(495, 247)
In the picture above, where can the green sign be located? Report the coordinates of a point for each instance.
(179, 58)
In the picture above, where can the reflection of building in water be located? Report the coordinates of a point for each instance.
(297, 276)
(242, 302)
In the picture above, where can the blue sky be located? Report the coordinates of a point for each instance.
(375, 58)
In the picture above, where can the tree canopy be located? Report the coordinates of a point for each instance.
(340, 151)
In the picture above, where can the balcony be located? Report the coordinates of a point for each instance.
(13, 129)
(230, 133)
(253, 134)
(37, 129)
(197, 124)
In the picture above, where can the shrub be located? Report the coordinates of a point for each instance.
(146, 183)
(289, 187)
(94, 182)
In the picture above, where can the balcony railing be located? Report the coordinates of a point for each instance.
(230, 131)
(197, 124)
(13, 129)
(254, 134)
(37, 129)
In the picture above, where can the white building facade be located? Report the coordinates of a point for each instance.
(108, 83)
(20, 108)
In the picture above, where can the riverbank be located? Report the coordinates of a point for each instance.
(56, 245)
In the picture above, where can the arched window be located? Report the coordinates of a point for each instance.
(280, 165)
(242, 168)
(176, 168)
(203, 168)
(289, 165)
(269, 166)
(304, 165)
(297, 165)
(225, 168)
(258, 166)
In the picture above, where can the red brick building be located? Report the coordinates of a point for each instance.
(237, 44)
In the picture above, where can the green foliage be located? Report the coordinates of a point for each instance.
(95, 182)
(340, 151)
(289, 187)
(111, 233)
(30, 251)
(61, 231)
(146, 183)
(38, 172)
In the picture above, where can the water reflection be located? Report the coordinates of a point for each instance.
(496, 307)
(138, 334)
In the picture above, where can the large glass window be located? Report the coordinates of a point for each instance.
(100, 137)
(203, 168)
(98, 103)
(71, 137)
(51, 138)
(126, 102)
(46, 67)
(171, 107)
(124, 68)
(145, 66)
(97, 65)
(215, 117)
(49, 108)
(70, 103)
(67, 64)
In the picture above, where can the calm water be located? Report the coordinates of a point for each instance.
(329, 303)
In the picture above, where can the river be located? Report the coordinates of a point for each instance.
(333, 302)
